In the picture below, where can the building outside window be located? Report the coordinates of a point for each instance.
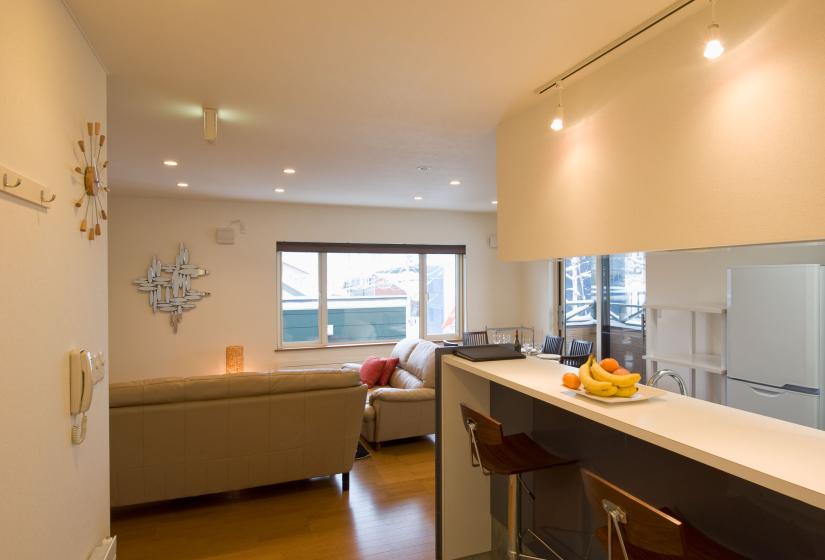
(579, 285)
(372, 297)
(623, 312)
(603, 299)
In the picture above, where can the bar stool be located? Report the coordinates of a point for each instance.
(635, 530)
(512, 456)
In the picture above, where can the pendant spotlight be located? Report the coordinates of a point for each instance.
(714, 47)
(557, 123)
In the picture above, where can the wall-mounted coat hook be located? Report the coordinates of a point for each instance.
(24, 188)
(6, 182)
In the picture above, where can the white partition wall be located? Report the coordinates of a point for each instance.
(465, 505)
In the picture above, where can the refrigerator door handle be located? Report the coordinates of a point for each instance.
(801, 389)
(765, 392)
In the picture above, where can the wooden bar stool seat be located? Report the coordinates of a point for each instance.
(517, 454)
(511, 456)
(635, 530)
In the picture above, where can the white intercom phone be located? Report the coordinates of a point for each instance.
(85, 369)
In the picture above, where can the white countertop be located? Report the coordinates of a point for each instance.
(787, 458)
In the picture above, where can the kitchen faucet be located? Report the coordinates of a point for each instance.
(669, 373)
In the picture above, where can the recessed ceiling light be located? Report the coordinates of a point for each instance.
(183, 185)
(455, 182)
(279, 190)
(289, 171)
(494, 202)
(170, 163)
(423, 167)
(418, 198)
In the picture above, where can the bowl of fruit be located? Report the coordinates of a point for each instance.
(607, 381)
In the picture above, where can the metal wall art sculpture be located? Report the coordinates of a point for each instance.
(172, 294)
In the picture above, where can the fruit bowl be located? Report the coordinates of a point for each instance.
(644, 393)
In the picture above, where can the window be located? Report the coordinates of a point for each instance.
(334, 293)
(579, 293)
(624, 301)
(623, 311)
(299, 296)
(442, 294)
(603, 300)
(371, 297)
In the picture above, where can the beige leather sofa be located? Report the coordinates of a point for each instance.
(407, 407)
(177, 437)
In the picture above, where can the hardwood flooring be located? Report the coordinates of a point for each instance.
(388, 513)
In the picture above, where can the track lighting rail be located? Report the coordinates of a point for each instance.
(610, 47)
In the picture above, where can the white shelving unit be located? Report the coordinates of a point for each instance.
(711, 363)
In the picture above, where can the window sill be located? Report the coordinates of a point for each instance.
(342, 345)
(355, 345)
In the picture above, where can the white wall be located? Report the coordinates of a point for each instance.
(55, 496)
(699, 278)
(539, 298)
(663, 149)
(241, 309)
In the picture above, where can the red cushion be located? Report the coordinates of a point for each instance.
(371, 370)
(389, 367)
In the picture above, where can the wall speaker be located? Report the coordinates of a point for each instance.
(210, 125)
(225, 235)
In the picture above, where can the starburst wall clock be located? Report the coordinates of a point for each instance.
(92, 183)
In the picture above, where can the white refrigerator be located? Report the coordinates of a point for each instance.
(776, 317)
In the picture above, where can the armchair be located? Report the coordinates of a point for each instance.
(405, 408)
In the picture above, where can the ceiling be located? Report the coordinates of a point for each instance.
(353, 94)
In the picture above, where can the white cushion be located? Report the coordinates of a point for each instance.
(422, 363)
(403, 349)
(403, 379)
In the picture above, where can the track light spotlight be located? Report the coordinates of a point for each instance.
(714, 47)
(557, 123)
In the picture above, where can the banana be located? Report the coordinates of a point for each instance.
(619, 380)
(627, 392)
(600, 388)
(610, 391)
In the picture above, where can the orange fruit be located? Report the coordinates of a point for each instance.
(571, 380)
(610, 365)
(621, 371)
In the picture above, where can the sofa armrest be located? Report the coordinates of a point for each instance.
(401, 395)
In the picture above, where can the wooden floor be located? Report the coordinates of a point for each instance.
(388, 513)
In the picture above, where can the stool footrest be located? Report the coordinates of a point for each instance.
(544, 544)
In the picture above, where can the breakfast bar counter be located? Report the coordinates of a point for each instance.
(711, 446)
